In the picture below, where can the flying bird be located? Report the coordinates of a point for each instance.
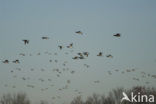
(76, 57)
(109, 56)
(128, 70)
(81, 57)
(49, 79)
(70, 45)
(116, 70)
(45, 38)
(6, 61)
(72, 72)
(16, 61)
(23, 78)
(39, 53)
(79, 32)
(60, 47)
(31, 86)
(100, 54)
(56, 61)
(25, 41)
(133, 69)
(86, 53)
(137, 79)
(80, 54)
(22, 54)
(117, 35)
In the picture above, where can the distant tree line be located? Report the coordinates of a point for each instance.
(113, 97)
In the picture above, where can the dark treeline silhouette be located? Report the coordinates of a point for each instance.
(19, 98)
(113, 97)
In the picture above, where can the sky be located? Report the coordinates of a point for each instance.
(99, 20)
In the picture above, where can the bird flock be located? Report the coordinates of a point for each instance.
(58, 71)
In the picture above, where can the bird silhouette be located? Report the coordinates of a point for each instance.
(49, 80)
(81, 57)
(154, 76)
(31, 86)
(23, 78)
(45, 38)
(39, 53)
(117, 35)
(60, 47)
(72, 72)
(116, 70)
(79, 32)
(128, 70)
(6, 61)
(76, 57)
(86, 53)
(16, 61)
(56, 61)
(70, 45)
(109, 56)
(22, 54)
(100, 54)
(25, 41)
(80, 54)
(137, 79)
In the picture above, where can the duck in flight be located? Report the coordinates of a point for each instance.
(6, 61)
(79, 32)
(16, 61)
(86, 53)
(81, 57)
(22, 54)
(117, 35)
(70, 45)
(80, 54)
(25, 41)
(45, 38)
(60, 47)
(109, 56)
(100, 54)
(76, 57)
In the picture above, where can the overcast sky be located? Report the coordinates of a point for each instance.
(99, 20)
